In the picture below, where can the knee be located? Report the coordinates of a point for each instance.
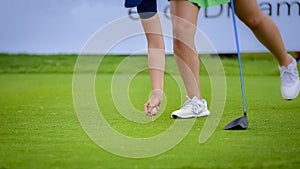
(253, 22)
(183, 35)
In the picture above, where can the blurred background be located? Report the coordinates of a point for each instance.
(64, 26)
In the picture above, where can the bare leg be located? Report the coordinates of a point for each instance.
(263, 28)
(184, 21)
(156, 61)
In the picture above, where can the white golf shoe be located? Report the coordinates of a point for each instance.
(290, 84)
(192, 108)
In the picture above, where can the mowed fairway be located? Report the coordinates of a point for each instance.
(39, 126)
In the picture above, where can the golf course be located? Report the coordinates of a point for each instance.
(40, 128)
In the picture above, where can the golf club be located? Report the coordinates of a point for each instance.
(240, 123)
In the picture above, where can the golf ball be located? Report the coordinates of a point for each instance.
(154, 110)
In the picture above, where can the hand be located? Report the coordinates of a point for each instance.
(153, 102)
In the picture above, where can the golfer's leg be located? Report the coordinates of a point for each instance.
(156, 60)
(263, 27)
(184, 20)
(268, 34)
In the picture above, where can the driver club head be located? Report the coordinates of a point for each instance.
(238, 124)
(242, 122)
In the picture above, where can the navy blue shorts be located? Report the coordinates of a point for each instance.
(147, 9)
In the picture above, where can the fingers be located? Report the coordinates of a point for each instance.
(147, 109)
(150, 110)
(151, 107)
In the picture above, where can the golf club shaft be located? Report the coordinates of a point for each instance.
(239, 55)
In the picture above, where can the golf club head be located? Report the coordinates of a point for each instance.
(238, 124)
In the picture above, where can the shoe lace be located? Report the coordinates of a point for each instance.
(192, 104)
(288, 75)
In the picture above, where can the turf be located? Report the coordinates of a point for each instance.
(39, 127)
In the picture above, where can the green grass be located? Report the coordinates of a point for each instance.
(39, 127)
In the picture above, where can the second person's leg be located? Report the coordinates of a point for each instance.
(268, 34)
(263, 28)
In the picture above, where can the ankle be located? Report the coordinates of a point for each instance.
(198, 97)
(287, 61)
